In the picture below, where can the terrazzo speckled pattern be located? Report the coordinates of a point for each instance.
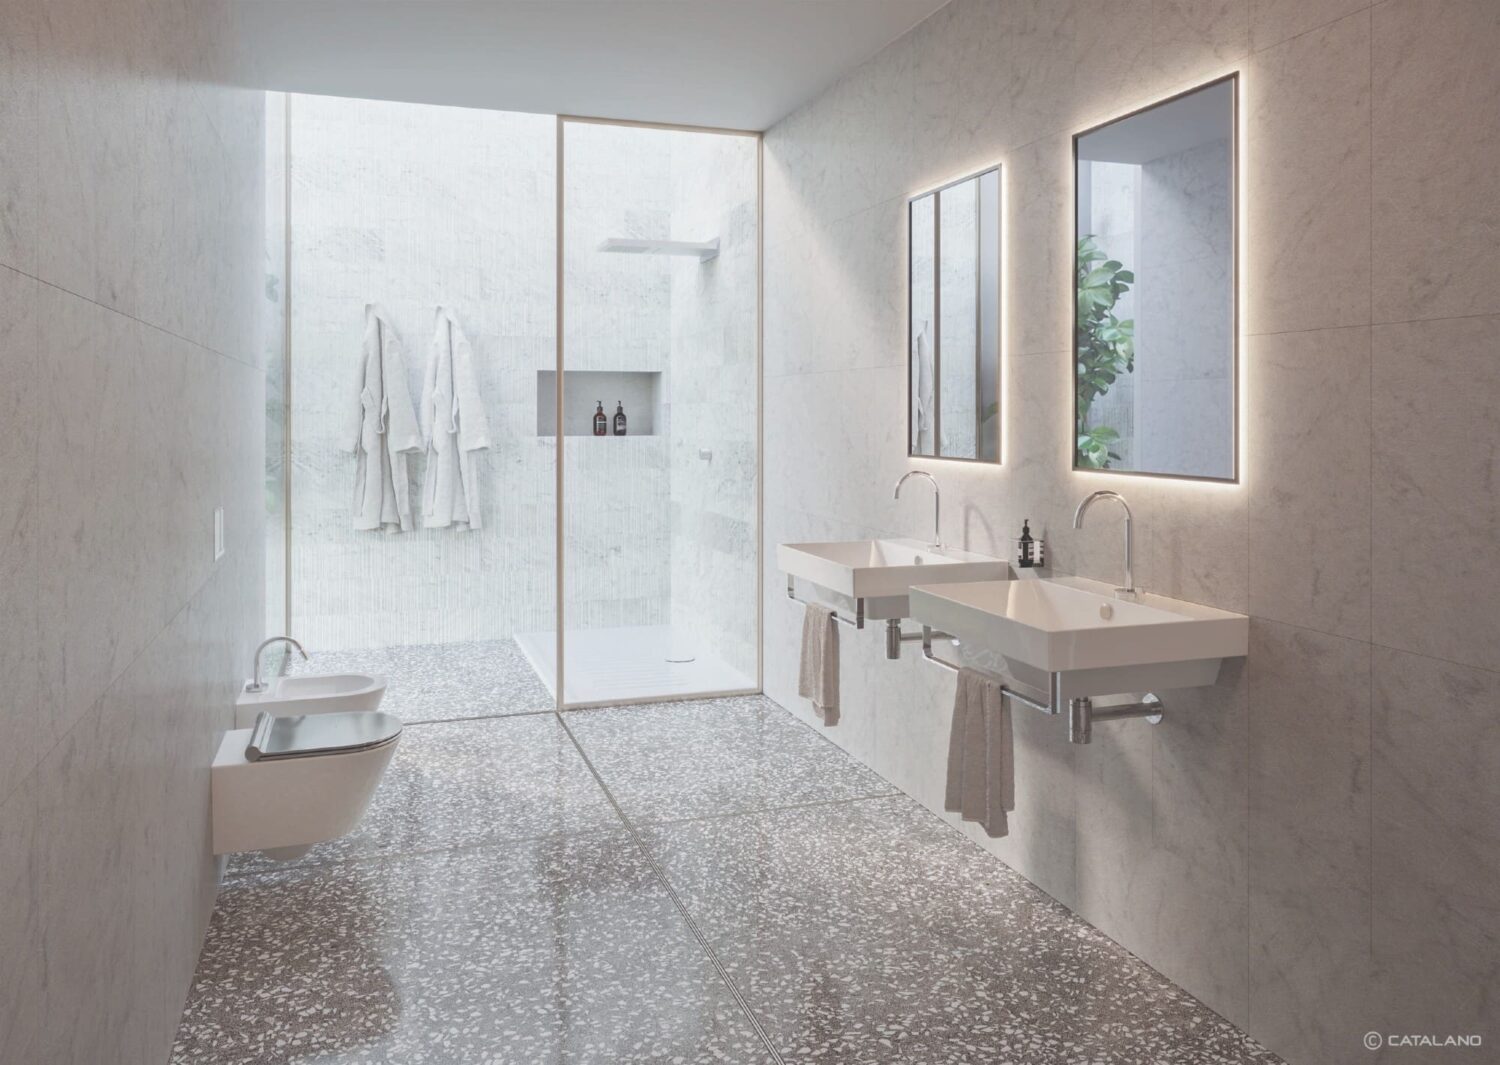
(564, 949)
(757, 896)
(705, 758)
(464, 783)
(870, 932)
(438, 682)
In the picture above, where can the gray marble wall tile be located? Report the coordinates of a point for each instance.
(20, 926)
(1436, 185)
(1194, 38)
(1435, 383)
(1436, 792)
(19, 107)
(21, 727)
(1274, 21)
(1039, 186)
(126, 504)
(1309, 860)
(1307, 463)
(1305, 109)
(119, 146)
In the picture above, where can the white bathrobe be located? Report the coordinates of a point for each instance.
(454, 428)
(381, 429)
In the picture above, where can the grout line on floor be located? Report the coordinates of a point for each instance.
(419, 852)
(476, 717)
(676, 900)
(780, 808)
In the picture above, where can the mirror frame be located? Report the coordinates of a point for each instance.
(998, 169)
(1233, 78)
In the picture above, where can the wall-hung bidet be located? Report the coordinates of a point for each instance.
(291, 782)
(316, 693)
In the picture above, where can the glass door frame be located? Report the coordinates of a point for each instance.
(560, 215)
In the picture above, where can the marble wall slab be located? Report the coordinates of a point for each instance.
(132, 401)
(1292, 845)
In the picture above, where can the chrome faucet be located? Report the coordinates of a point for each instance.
(937, 504)
(1129, 591)
(257, 685)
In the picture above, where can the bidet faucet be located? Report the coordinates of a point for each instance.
(1129, 591)
(256, 685)
(937, 504)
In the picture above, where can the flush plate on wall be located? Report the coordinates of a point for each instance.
(218, 533)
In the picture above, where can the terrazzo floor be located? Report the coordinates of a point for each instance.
(442, 681)
(702, 881)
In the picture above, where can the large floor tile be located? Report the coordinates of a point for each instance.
(462, 783)
(872, 932)
(671, 761)
(565, 949)
(439, 682)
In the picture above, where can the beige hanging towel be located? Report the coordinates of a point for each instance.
(818, 677)
(981, 754)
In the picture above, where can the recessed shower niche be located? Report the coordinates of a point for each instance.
(639, 394)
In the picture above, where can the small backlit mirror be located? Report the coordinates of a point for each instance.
(1154, 319)
(953, 352)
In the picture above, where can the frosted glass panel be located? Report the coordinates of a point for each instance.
(659, 523)
(413, 207)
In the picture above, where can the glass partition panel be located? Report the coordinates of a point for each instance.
(659, 412)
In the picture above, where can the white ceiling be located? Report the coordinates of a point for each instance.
(735, 63)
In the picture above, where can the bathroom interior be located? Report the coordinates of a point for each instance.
(930, 531)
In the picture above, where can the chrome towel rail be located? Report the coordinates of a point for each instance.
(1081, 712)
(859, 606)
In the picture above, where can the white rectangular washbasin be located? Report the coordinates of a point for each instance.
(1099, 644)
(313, 693)
(882, 572)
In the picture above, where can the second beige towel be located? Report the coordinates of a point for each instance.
(981, 754)
(818, 677)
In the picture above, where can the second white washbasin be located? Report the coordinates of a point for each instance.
(1097, 643)
(313, 693)
(882, 572)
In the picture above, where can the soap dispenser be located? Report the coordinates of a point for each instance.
(601, 420)
(1027, 552)
(619, 418)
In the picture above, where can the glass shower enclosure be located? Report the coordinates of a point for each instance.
(592, 268)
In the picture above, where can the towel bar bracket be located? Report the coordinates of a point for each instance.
(1081, 712)
(894, 637)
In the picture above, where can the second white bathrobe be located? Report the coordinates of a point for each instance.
(454, 427)
(381, 429)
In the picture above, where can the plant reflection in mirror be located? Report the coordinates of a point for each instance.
(1105, 346)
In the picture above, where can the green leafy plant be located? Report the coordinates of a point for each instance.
(1105, 346)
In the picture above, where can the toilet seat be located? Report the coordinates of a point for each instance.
(305, 735)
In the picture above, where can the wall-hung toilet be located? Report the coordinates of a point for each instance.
(290, 782)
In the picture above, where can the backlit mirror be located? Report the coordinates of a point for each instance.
(1154, 304)
(954, 341)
